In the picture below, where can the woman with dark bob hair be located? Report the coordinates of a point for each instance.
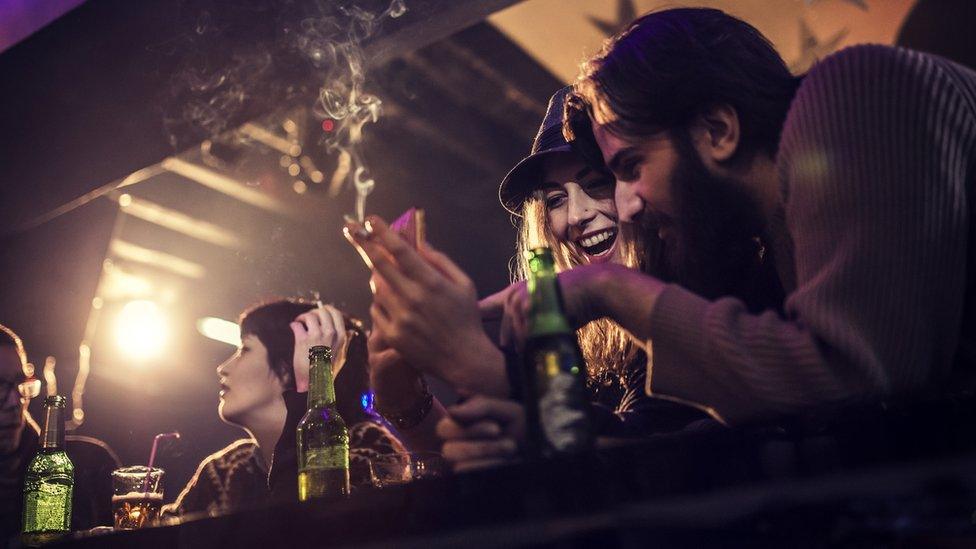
(264, 387)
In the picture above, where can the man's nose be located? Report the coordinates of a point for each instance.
(629, 204)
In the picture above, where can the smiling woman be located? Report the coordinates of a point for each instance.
(568, 205)
(579, 207)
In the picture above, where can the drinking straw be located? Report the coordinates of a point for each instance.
(152, 457)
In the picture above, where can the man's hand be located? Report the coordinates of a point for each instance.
(319, 326)
(396, 385)
(584, 296)
(482, 431)
(425, 308)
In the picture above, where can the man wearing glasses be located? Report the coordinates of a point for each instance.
(93, 460)
(17, 387)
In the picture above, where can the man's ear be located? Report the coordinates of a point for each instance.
(716, 133)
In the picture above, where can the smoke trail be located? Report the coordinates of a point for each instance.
(334, 41)
(237, 55)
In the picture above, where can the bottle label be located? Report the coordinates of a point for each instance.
(562, 410)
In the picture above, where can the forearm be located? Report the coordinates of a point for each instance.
(626, 296)
(744, 366)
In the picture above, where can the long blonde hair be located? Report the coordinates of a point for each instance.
(607, 348)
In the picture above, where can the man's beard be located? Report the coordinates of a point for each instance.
(716, 246)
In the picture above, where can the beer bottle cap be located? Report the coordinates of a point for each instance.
(320, 350)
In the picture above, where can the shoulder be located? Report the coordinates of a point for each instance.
(209, 478)
(868, 57)
(878, 78)
(900, 68)
(870, 107)
(216, 466)
(235, 452)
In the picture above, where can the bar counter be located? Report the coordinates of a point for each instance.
(866, 479)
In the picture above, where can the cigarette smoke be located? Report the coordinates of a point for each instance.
(238, 54)
(334, 41)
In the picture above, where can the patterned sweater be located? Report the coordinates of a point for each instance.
(877, 166)
(237, 476)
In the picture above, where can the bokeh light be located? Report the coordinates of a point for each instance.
(220, 330)
(140, 329)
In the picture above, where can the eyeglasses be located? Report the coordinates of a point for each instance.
(29, 388)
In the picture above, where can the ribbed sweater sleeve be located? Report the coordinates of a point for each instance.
(876, 162)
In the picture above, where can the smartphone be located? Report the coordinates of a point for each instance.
(411, 226)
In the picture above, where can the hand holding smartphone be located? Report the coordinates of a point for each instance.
(411, 226)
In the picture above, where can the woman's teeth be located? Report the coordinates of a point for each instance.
(598, 243)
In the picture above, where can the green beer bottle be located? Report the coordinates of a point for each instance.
(49, 481)
(557, 410)
(323, 441)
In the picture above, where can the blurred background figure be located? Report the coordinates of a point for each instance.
(19, 433)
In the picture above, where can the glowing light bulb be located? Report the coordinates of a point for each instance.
(140, 329)
(220, 330)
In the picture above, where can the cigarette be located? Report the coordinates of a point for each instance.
(364, 231)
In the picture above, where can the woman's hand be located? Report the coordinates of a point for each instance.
(319, 326)
(426, 309)
(482, 431)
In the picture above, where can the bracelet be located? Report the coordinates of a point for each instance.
(411, 417)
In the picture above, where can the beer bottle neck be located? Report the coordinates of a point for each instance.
(321, 389)
(53, 436)
(546, 314)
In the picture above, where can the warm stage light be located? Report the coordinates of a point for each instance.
(220, 330)
(140, 329)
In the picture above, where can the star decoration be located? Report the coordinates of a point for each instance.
(812, 49)
(626, 12)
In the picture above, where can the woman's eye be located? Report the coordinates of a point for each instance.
(554, 201)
